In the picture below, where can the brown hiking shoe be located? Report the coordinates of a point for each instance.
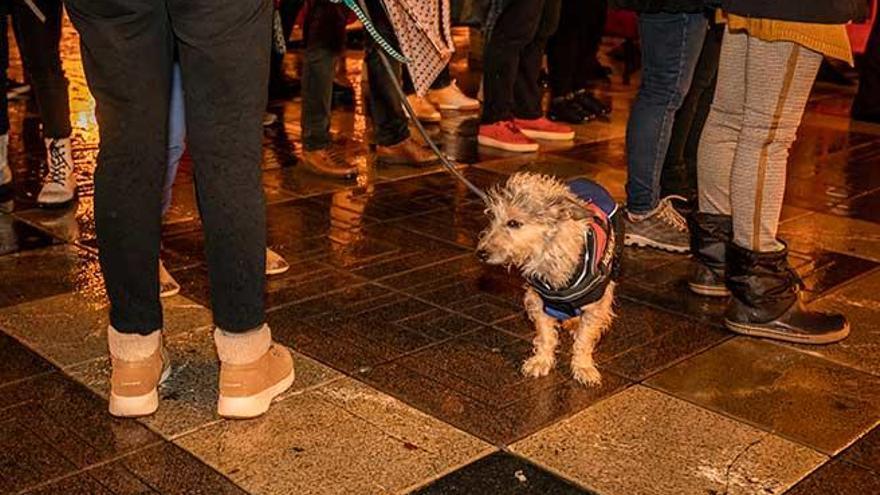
(253, 371)
(406, 152)
(137, 373)
(329, 162)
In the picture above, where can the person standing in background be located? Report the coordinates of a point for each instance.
(38, 43)
(128, 57)
(770, 56)
(672, 34)
(517, 32)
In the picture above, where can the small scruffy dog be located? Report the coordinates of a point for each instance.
(566, 240)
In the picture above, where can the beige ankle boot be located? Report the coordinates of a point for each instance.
(140, 364)
(253, 371)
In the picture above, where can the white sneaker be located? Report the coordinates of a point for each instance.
(269, 118)
(275, 264)
(59, 185)
(168, 287)
(5, 171)
(425, 111)
(451, 98)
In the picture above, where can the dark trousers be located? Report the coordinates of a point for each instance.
(128, 54)
(571, 52)
(866, 105)
(38, 44)
(325, 41)
(288, 11)
(444, 79)
(512, 60)
(389, 119)
(679, 174)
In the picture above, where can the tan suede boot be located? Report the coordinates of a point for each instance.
(253, 371)
(140, 364)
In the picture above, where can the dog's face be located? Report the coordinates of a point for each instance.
(525, 214)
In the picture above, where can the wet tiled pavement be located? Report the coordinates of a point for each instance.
(408, 350)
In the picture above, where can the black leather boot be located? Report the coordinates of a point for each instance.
(767, 302)
(710, 235)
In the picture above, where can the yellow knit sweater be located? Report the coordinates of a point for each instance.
(830, 40)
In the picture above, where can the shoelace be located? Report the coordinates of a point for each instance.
(671, 215)
(59, 167)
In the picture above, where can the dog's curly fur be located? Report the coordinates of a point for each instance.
(537, 226)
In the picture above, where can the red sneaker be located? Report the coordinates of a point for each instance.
(506, 136)
(543, 128)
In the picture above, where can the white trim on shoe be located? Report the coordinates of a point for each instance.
(502, 145)
(140, 405)
(548, 136)
(640, 241)
(256, 405)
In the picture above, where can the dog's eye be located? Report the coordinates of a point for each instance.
(514, 224)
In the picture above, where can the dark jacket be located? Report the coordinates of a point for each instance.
(653, 6)
(817, 11)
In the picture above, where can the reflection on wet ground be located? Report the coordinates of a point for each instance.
(408, 350)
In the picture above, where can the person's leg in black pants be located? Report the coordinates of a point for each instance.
(38, 44)
(388, 117)
(281, 86)
(515, 30)
(679, 176)
(564, 49)
(593, 27)
(131, 83)
(128, 55)
(324, 33)
(527, 89)
(866, 105)
(390, 129)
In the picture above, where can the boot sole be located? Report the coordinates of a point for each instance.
(756, 331)
(57, 206)
(708, 290)
(278, 271)
(140, 405)
(254, 405)
(639, 241)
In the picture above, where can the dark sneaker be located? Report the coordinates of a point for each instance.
(591, 104)
(406, 152)
(664, 228)
(330, 162)
(568, 110)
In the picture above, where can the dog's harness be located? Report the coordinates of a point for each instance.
(597, 266)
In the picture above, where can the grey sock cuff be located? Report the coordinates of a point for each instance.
(132, 346)
(242, 348)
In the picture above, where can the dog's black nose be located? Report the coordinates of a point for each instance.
(482, 255)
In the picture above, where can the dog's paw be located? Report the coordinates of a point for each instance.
(587, 375)
(537, 366)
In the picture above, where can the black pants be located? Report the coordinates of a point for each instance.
(38, 44)
(866, 105)
(288, 10)
(679, 174)
(444, 79)
(571, 52)
(128, 50)
(512, 60)
(324, 33)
